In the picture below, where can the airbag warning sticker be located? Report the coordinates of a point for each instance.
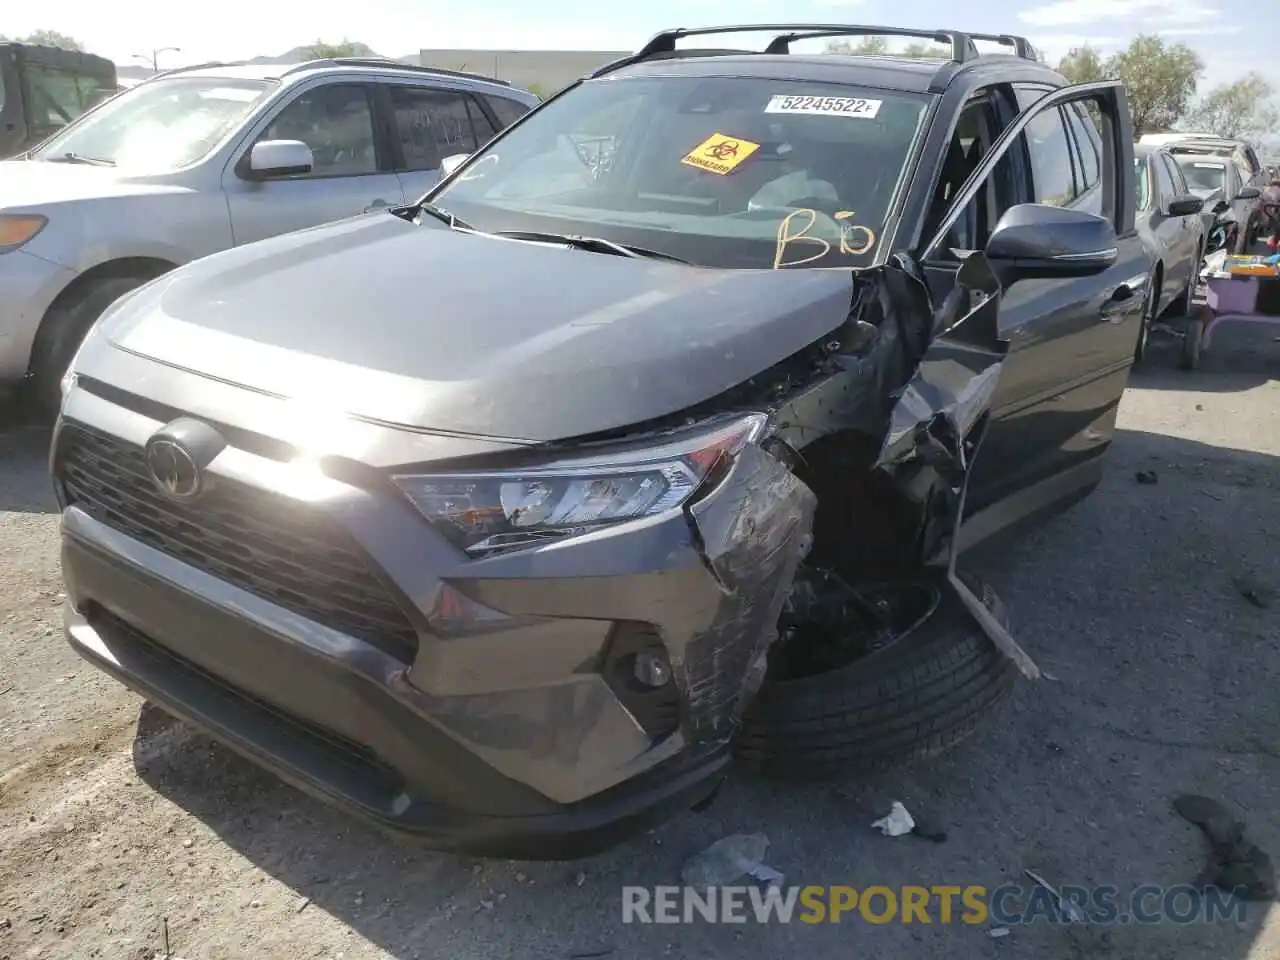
(720, 154)
(825, 106)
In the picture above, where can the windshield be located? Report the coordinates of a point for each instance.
(158, 126)
(1204, 178)
(725, 172)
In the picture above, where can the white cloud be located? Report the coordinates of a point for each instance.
(1075, 12)
(1223, 31)
(1057, 45)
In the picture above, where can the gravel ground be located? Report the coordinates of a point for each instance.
(114, 821)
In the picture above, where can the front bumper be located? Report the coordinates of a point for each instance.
(28, 285)
(510, 739)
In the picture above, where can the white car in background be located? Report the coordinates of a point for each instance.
(201, 159)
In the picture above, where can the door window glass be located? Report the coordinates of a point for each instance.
(1050, 153)
(1164, 183)
(1176, 180)
(507, 111)
(57, 96)
(1088, 146)
(480, 122)
(431, 125)
(336, 122)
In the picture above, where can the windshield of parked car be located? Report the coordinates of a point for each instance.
(719, 171)
(1204, 177)
(158, 126)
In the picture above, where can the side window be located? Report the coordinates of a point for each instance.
(1175, 176)
(1164, 183)
(1052, 177)
(1088, 146)
(507, 111)
(336, 122)
(56, 96)
(480, 122)
(432, 125)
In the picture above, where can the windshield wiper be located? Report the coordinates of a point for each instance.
(592, 244)
(80, 158)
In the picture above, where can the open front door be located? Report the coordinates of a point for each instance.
(1057, 349)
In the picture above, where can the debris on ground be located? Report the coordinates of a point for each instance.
(896, 823)
(592, 954)
(1148, 477)
(928, 828)
(730, 859)
(1260, 596)
(1069, 910)
(995, 933)
(1235, 863)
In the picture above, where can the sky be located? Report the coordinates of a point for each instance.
(1229, 43)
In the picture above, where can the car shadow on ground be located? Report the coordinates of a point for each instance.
(1163, 679)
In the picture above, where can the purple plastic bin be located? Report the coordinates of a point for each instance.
(1233, 294)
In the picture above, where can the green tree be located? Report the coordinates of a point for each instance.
(1160, 79)
(925, 51)
(866, 47)
(328, 51)
(1083, 64)
(1236, 109)
(48, 38)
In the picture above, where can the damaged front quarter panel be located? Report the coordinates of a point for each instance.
(753, 535)
(936, 427)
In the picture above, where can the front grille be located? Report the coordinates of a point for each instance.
(272, 547)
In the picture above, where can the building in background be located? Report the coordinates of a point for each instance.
(542, 71)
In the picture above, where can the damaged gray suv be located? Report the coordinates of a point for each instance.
(648, 439)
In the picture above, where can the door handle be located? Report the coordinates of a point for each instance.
(376, 205)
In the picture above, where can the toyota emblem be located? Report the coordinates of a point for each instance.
(173, 469)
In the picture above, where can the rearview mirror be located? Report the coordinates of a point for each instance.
(452, 163)
(279, 158)
(1185, 205)
(1040, 240)
(1249, 193)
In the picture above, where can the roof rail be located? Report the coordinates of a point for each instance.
(1022, 47)
(388, 63)
(195, 66)
(961, 43)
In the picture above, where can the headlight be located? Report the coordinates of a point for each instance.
(18, 228)
(488, 511)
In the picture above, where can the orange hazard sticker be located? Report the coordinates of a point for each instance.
(720, 154)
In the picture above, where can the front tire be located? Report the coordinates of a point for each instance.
(927, 691)
(62, 332)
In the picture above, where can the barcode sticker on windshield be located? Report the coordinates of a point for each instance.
(824, 106)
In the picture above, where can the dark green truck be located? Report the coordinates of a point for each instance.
(42, 89)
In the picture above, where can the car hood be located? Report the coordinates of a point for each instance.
(452, 331)
(28, 184)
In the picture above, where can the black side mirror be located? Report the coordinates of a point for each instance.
(1185, 205)
(1249, 193)
(1039, 240)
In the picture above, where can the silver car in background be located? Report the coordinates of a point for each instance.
(207, 158)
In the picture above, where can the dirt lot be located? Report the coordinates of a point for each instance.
(1166, 681)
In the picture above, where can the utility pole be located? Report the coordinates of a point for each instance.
(154, 57)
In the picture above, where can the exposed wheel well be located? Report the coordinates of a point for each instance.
(143, 268)
(864, 527)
